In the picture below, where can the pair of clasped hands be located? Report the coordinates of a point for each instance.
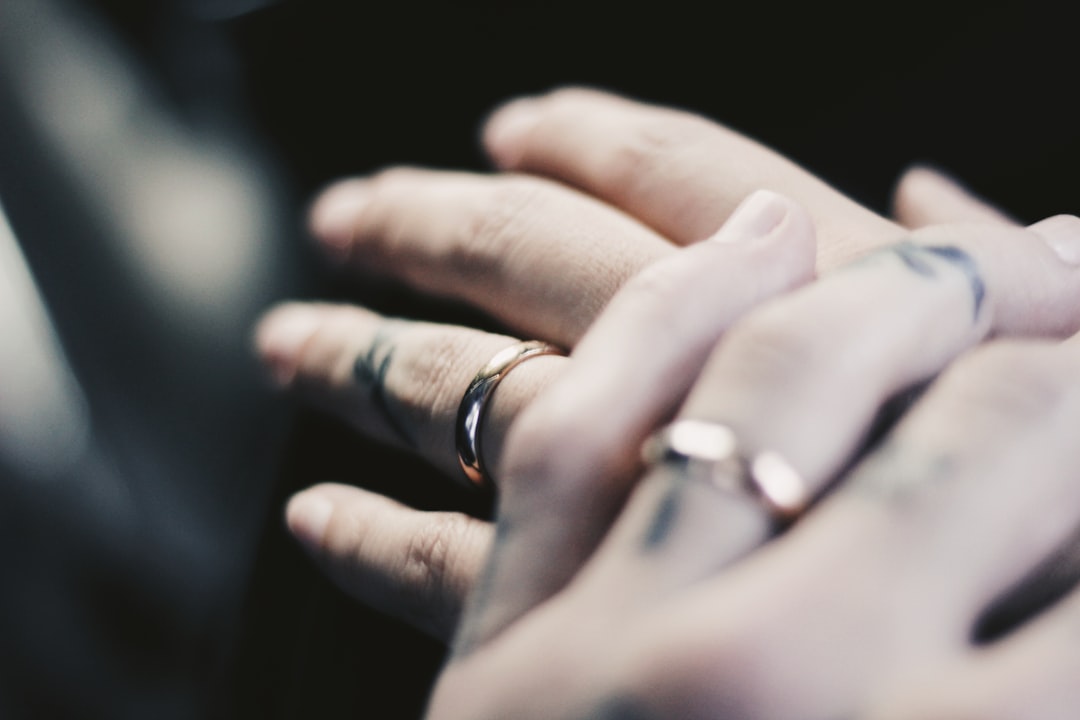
(694, 275)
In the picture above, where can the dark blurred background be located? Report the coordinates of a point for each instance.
(156, 159)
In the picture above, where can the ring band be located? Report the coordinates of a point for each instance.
(474, 402)
(713, 449)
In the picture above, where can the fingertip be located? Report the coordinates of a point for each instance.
(307, 516)
(756, 216)
(796, 235)
(926, 195)
(917, 181)
(507, 129)
(1061, 233)
(336, 212)
(767, 216)
(281, 334)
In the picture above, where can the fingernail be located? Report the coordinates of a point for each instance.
(1062, 234)
(281, 334)
(507, 129)
(336, 213)
(756, 216)
(307, 516)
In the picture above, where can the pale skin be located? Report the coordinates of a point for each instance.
(377, 548)
(866, 607)
(361, 538)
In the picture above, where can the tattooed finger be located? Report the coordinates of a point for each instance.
(576, 447)
(805, 376)
(396, 381)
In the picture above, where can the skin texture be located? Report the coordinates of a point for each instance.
(659, 605)
(543, 252)
(369, 372)
(310, 349)
(968, 493)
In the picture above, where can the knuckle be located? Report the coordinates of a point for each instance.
(656, 147)
(651, 146)
(428, 567)
(490, 231)
(770, 344)
(658, 281)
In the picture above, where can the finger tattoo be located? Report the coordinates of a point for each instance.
(370, 371)
(666, 512)
(917, 258)
(619, 707)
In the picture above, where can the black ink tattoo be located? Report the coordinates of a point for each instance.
(667, 512)
(911, 255)
(664, 519)
(370, 372)
(915, 257)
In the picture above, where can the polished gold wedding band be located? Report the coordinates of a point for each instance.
(713, 450)
(474, 403)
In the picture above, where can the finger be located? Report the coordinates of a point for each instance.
(576, 447)
(977, 506)
(397, 381)
(920, 304)
(924, 196)
(540, 257)
(973, 488)
(415, 566)
(677, 172)
(799, 382)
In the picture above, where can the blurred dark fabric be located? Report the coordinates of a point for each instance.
(153, 578)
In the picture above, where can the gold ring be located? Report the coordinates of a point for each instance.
(713, 450)
(474, 402)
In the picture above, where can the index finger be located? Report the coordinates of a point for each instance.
(676, 171)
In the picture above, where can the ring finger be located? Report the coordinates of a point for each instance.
(396, 381)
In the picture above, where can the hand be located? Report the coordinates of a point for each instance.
(876, 594)
(542, 258)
